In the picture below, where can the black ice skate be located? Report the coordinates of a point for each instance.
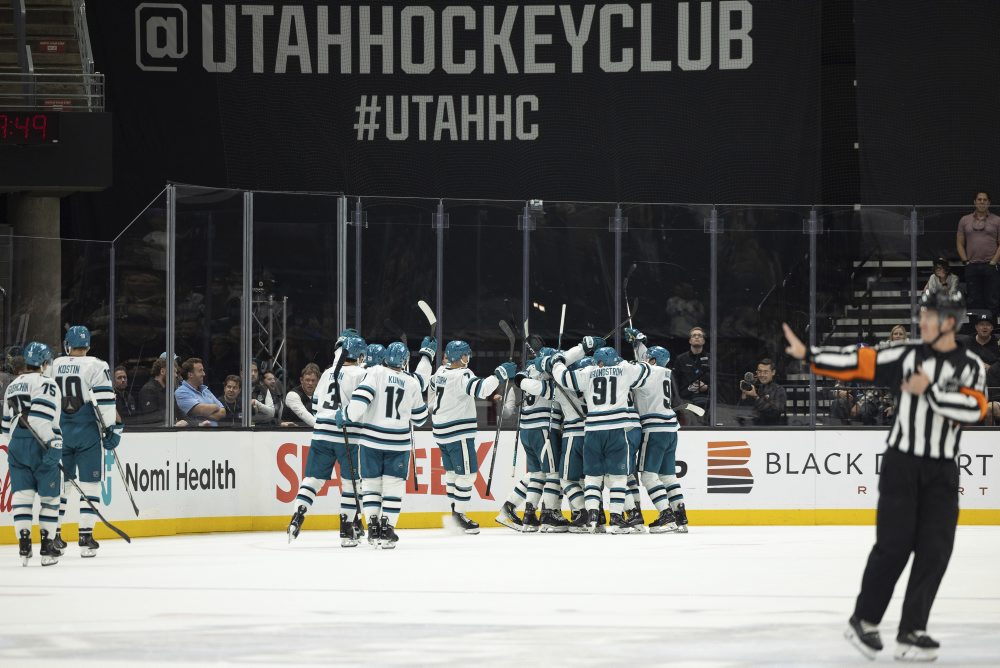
(374, 531)
(50, 553)
(88, 546)
(531, 523)
(359, 527)
(387, 535)
(295, 524)
(578, 523)
(617, 524)
(682, 518)
(864, 636)
(634, 520)
(24, 546)
(552, 521)
(916, 646)
(58, 541)
(465, 524)
(665, 523)
(508, 517)
(347, 536)
(594, 521)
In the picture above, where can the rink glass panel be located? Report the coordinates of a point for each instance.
(294, 257)
(572, 262)
(209, 285)
(140, 302)
(763, 280)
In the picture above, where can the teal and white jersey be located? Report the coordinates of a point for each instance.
(326, 401)
(572, 420)
(539, 407)
(453, 402)
(37, 399)
(384, 405)
(84, 381)
(606, 391)
(653, 401)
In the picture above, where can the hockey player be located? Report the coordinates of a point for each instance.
(574, 411)
(89, 420)
(31, 419)
(658, 454)
(540, 452)
(374, 355)
(454, 390)
(331, 445)
(381, 410)
(611, 431)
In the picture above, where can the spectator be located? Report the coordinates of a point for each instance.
(978, 243)
(768, 396)
(993, 391)
(843, 402)
(277, 391)
(194, 398)
(984, 343)
(261, 394)
(692, 371)
(942, 278)
(153, 395)
(124, 402)
(232, 400)
(298, 402)
(899, 333)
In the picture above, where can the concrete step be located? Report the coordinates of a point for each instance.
(50, 30)
(48, 4)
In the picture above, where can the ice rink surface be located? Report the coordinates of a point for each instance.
(719, 596)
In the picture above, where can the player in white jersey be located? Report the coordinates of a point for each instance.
(89, 420)
(658, 454)
(454, 390)
(31, 420)
(374, 355)
(381, 410)
(331, 445)
(611, 430)
(574, 412)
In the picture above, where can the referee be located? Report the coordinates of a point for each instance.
(941, 386)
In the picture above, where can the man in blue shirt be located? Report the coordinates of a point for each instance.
(194, 398)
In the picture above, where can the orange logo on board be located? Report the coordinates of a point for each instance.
(727, 473)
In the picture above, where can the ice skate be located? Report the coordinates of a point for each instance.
(295, 524)
(552, 521)
(682, 518)
(634, 520)
(594, 523)
(387, 535)
(665, 523)
(578, 522)
(916, 646)
(530, 522)
(374, 532)
(466, 525)
(50, 553)
(348, 538)
(88, 546)
(618, 525)
(58, 541)
(864, 636)
(24, 546)
(508, 517)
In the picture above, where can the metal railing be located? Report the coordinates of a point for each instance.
(53, 92)
(83, 36)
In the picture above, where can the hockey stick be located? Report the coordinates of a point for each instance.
(509, 333)
(24, 423)
(562, 325)
(339, 404)
(622, 323)
(628, 310)
(114, 453)
(429, 314)
(397, 332)
(692, 408)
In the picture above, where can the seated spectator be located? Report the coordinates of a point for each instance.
(194, 399)
(993, 392)
(299, 409)
(984, 343)
(768, 397)
(899, 333)
(942, 278)
(152, 404)
(124, 402)
(232, 400)
(843, 402)
(277, 391)
(261, 394)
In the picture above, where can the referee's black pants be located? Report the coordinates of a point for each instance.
(917, 512)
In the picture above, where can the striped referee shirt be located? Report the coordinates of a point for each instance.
(928, 425)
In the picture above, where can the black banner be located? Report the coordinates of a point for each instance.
(668, 101)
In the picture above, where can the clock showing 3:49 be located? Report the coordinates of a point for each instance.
(28, 127)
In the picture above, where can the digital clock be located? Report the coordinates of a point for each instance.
(28, 127)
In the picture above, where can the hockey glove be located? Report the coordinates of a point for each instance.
(633, 335)
(53, 454)
(505, 371)
(341, 419)
(592, 343)
(344, 334)
(429, 347)
(112, 437)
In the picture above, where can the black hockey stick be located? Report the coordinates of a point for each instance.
(622, 323)
(625, 290)
(397, 331)
(509, 333)
(114, 453)
(24, 423)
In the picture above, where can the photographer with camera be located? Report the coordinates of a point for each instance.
(768, 397)
(691, 372)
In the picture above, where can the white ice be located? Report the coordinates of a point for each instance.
(719, 596)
